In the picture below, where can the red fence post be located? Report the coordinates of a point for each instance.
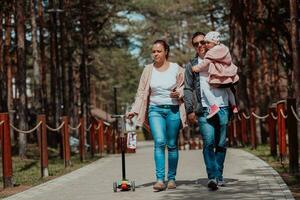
(81, 140)
(253, 129)
(272, 133)
(6, 151)
(42, 139)
(100, 137)
(292, 135)
(66, 141)
(92, 138)
(244, 130)
(281, 129)
(238, 128)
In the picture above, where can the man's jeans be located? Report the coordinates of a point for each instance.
(214, 132)
(164, 123)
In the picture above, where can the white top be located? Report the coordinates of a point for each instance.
(162, 84)
(220, 94)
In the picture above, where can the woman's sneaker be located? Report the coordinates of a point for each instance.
(159, 186)
(171, 184)
(214, 109)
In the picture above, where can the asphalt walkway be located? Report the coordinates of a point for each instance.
(247, 177)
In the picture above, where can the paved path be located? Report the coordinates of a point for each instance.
(247, 178)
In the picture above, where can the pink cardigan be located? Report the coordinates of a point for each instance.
(143, 93)
(217, 61)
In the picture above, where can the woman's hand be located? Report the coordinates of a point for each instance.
(130, 115)
(174, 94)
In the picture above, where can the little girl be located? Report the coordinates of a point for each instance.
(218, 63)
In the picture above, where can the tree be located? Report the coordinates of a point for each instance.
(21, 76)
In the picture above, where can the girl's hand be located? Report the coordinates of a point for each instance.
(195, 69)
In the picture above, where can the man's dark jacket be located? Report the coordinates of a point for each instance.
(192, 94)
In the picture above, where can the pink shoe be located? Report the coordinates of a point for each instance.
(234, 109)
(214, 109)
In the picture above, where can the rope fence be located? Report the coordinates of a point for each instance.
(56, 129)
(279, 128)
(26, 132)
(74, 128)
(260, 117)
(102, 138)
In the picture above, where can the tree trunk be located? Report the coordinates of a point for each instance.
(295, 54)
(36, 62)
(8, 67)
(21, 76)
(43, 59)
(83, 70)
(238, 46)
(63, 39)
(252, 76)
(55, 89)
(3, 103)
(295, 48)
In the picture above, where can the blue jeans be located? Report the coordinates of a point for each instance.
(164, 121)
(214, 131)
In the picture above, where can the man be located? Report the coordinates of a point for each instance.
(213, 130)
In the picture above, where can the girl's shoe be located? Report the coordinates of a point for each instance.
(214, 109)
(234, 109)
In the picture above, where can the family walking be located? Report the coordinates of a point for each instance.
(170, 97)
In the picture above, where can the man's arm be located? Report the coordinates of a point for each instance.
(188, 89)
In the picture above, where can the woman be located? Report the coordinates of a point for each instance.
(159, 96)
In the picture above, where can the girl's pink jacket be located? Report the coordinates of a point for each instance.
(143, 93)
(218, 62)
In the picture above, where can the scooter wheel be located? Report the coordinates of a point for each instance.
(132, 183)
(115, 186)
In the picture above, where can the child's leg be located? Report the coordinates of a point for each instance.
(231, 99)
(231, 96)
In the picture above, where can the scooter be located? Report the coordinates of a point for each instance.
(123, 184)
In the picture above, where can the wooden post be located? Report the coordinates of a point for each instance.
(66, 141)
(6, 151)
(114, 140)
(253, 130)
(293, 138)
(281, 129)
(100, 137)
(272, 133)
(43, 146)
(244, 130)
(92, 138)
(81, 140)
(238, 131)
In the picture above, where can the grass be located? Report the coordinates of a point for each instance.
(281, 166)
(27, 172)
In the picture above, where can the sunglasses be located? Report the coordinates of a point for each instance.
(196, 44)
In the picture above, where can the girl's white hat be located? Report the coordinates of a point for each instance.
(212, 36)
